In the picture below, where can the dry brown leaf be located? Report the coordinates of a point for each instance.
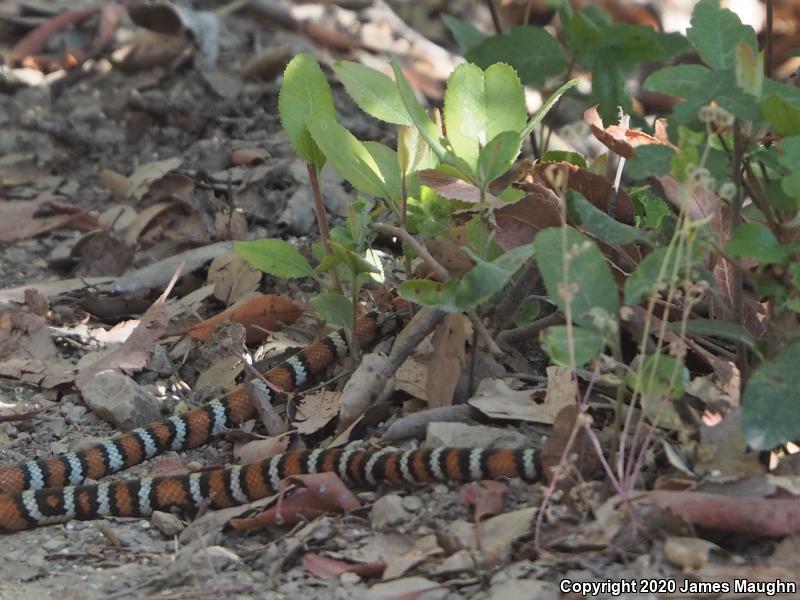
(323, 566)
(259, 314)
(449, 254)
(134, 353)
(447, 361)
(321, 493)
(597, 189)
(116, 183)
(688, 553)
(519, 223)
(28, 354)
(314, 411)
(412, 378)
(147, 174)
(233, 278)
(258, 450)
(497, 400)
(619, 139)
(23, 219)
(456, 189)
(366, 386)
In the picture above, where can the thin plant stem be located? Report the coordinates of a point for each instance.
(322, 221)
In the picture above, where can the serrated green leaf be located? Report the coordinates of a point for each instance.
(422, 121)
(587, 344)
(587, 276)
(350, 157)
(534, 54)
(715, 33)
(652, 159)
(375, 93)
(334, 309)
(305, 91)
(601, 225)
(498, 156)
(276, 257)
(477, 285)
(769, 402)
(754, 240)
(682, 81)
(480, 105)
(466, 34)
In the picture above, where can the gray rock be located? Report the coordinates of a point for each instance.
(388, 512)
(119, 399)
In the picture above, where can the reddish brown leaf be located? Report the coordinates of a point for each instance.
(596, 188)
(519, 223)
(763, 517)
(134, 353)
(447, 361)
(487, 497)
(259, 314)
(323, 493)
(619, 139)
(322, 566)
(455, 189)
(22, 219)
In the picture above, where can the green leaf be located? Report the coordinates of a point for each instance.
(388, 165)
(594, 294)
(422, 121)
(652, 159)
(350, 157)
(601, 225)
(682, 81)
(413, 152)
(754, 240)
(527, 312)
(545, 108)
(375, 93)
(564, 156)
(663, 376)
(587, 344)
(609, 87)
(749, 70)
(769, 402)
(341, 254)
(783, 115)
(480, 105)
(276, 257)
(790, 153)
(304, 91)
(645, 279)
(466, 34)
(497, 157)
(334, 309)
(477, 285)
(652, 209)
(534, 54)
(715, 33)
(725, 330)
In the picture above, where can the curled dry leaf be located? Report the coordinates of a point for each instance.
(233, 277)
(620, 139)
(448, 253)
(519, 223)
(258, 450)
(259, 314)
(323, 566)
(597, 189)
(134, 353)
(447, 361)
(321, 493)
(487, 497)
(368, 384)
(314, 411)
(147, 174)
(456, 189)
(23, 219)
